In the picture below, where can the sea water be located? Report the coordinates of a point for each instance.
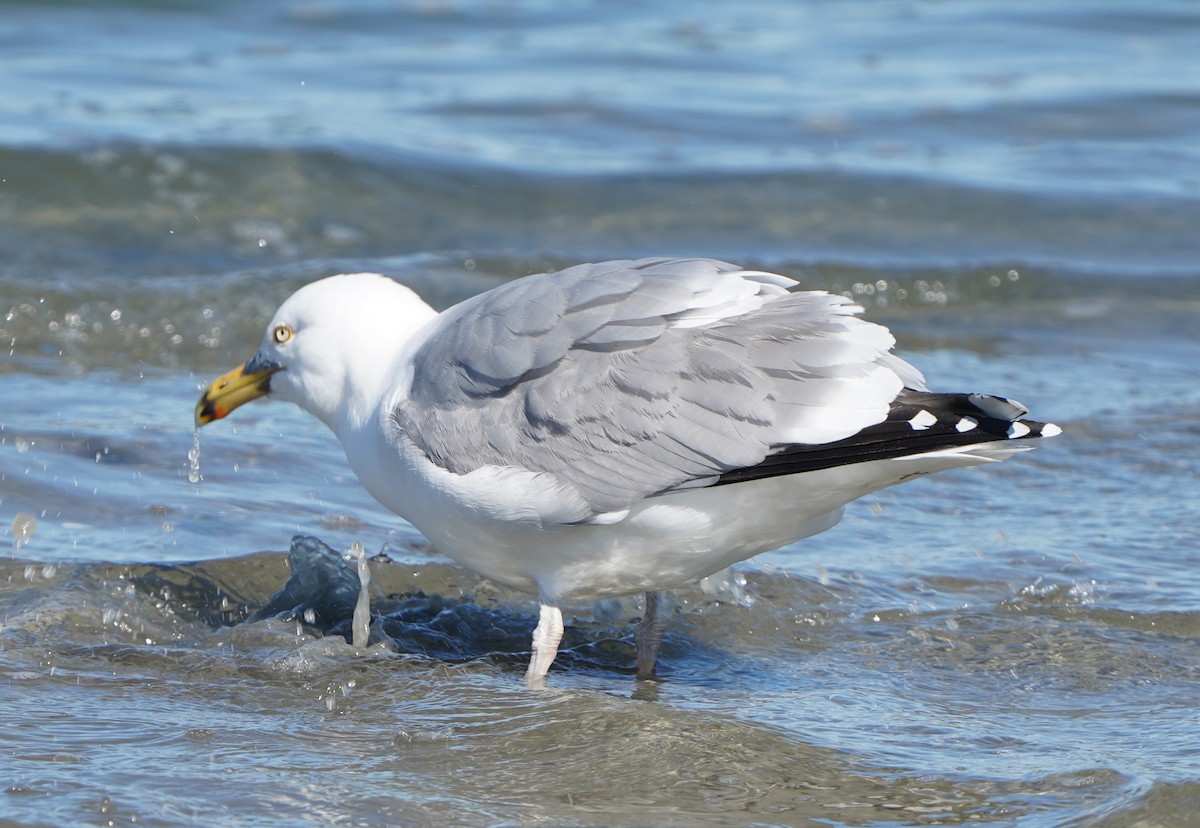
(1013, 189)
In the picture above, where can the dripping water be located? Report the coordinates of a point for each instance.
(194, 458)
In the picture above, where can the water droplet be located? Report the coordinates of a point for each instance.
(194, 459)
(23, 527)
(361, 626)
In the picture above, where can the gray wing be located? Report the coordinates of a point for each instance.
(633, 378)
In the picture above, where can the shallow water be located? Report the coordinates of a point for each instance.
(1015, 191)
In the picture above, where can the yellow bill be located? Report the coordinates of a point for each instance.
(238, 387)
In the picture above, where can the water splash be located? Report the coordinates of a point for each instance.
(23, 527)
(728, 585)
(361, 625)
(194, 458)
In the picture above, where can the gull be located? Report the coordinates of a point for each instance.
(614, 428)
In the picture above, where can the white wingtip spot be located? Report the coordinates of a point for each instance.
(922, 420)
(1051, 430)
(1017, 429)
(966, 424)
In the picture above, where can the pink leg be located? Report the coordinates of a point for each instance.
(546, 636)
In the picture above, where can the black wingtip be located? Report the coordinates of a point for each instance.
(919, 422)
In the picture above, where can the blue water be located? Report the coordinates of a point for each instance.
(1013, 188)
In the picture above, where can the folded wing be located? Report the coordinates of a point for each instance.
(628, 379)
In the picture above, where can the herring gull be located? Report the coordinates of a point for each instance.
(614, 428)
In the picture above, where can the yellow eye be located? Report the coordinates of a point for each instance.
(282, 333)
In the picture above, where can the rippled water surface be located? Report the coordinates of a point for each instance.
(1014, 189)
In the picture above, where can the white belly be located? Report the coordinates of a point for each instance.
(501, 522)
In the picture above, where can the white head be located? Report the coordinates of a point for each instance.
(330, 348)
